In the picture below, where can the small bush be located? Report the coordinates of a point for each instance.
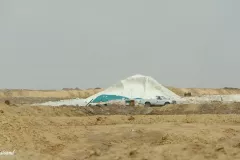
(7, 102)
(187, 94)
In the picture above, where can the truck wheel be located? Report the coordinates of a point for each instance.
(167, 103)
(147, 104)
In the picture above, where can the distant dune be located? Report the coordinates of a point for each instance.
(49, 93)
(205, 91)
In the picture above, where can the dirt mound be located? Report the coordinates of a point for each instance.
(209, 108)
(70, 133)
(180, 109)
(26, 110)
(115, 110)
(121, 137)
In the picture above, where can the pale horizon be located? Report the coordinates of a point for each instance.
(59, 44)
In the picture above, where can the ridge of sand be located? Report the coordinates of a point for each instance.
(205, 91)
(49, 93)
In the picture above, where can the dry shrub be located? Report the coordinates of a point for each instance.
(7, 102)
(187, 94)
(131, 118)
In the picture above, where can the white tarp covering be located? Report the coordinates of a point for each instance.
(138, 86)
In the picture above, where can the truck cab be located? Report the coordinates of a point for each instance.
(157, 101)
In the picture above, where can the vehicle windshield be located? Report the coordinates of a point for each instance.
(158, 97)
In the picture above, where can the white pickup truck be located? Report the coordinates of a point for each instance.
(158, 101)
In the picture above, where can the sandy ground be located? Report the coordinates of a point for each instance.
(71, 133)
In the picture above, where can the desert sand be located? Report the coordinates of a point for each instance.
(184, 132)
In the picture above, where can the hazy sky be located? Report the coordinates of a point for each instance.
(51, 44)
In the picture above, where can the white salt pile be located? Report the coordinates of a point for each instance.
(212, 98)
(137, 86)
(70, 102)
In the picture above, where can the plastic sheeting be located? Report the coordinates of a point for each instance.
(106, 98)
